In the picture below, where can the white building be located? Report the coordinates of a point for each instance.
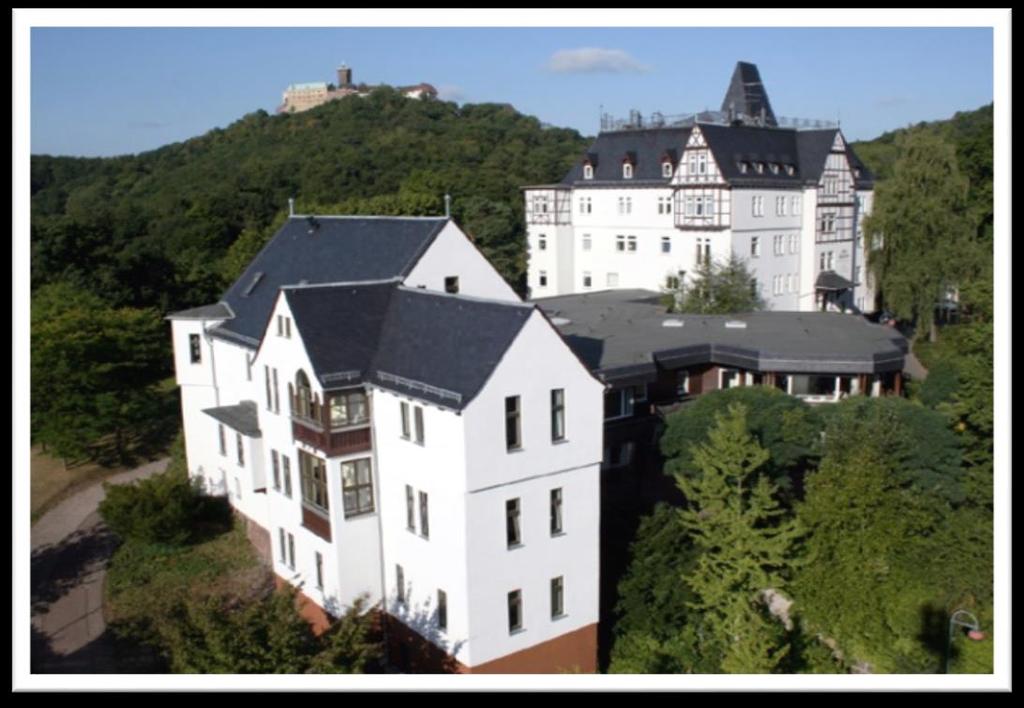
(645, 207)
(393, 422)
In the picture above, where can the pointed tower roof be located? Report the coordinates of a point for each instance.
(747, 95)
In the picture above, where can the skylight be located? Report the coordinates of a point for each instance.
(252, 286)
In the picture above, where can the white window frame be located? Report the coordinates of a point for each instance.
(588, 172)
(666, 169)
(612, 280)
(755, 247)
(587, 242)
(666, 245)
(587, 279)
(542, 279)
(627, 170)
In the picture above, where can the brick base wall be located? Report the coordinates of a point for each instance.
(319, 619)
(573, 652)
(258, 536)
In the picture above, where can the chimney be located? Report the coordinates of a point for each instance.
(291, 206)
(448, 206)
(344, 76)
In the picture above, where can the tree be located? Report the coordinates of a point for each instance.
(744, 541)
(94, 368)
(718, 288)
(786, 427)
(919, 229)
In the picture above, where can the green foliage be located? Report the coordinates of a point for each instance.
(920, 228)
(164, 508)
(718, 288)
(94, 371)
(786, 427)
(885, 560)
(745, 541)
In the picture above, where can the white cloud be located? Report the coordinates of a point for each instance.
(593, 60)
(450, 92)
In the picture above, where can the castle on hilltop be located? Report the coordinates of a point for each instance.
(301, 97)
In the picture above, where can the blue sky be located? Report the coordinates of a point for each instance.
(100, 92)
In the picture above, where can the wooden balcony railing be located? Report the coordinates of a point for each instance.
(331, 442)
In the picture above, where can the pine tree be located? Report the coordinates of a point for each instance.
(745, 543)
(717, 288)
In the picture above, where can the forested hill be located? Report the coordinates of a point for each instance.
(970, 132)
(153, 230)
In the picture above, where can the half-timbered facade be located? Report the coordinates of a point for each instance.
(649, 206)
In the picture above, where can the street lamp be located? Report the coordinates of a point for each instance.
(962, 618)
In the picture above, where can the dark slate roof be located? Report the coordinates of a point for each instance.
(242, 417)
(746, 93)
(647, 146)
(218, 311)
(340, 249)
(866, 178)
(734, 144)
(619, 335)
(340, 326)
(434, 346)
(830, 280)
(448, 342)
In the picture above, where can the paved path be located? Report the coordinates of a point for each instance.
(70, 550)
(913, 367)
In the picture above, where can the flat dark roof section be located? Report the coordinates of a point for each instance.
(622, 336)
(242, 417)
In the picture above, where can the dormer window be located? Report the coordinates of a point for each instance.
(743, 167)
(774, 167)
(759, 166)
(790, 170)
(666, 169)
(588, 172)
(627, 170)
(856, 172)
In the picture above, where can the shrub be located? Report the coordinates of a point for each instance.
(162, 509)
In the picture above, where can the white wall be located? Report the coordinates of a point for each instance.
(452, 253)
(436, 467)
(537, 362)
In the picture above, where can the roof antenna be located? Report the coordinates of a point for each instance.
(447, 206)
(291, 206)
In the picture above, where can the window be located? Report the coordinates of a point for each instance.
(612, 280)
(556, 511)
(405, 419)
(291, 551)
(223, 442)
(629, 205)
(774, 167)
(512, 523)
(689, 205)
(515, 611)
(542, 280)
(631, 244)
(666, 244)
(586, 242)
(451, 282)
(666, 169)
(400, 583)
(792, 243)
(283, 545)
(682, 384)
(730, 378)
(780, 205)
(195, 351)
(620, 243)
(585, 205)
(418, 420)
(759, 166)
(557, 594)
(442, 610)
(557, 414)
(313, 477)
(703, 251)
(664, 205)
(241, 449)
(586, 279)
(410, 509)
(622, 205)
(270, 399)
(275, 465)
(627, 171)
(238, 489)
(513, 438)
(744, 167)
(618, 404)
(755, 247)
(424, 516)
(277, 400)
(284, 326)
(542, 243)
(702, 163)
(778, 245)
(795, 206)
(348, 409)
(357, 487)
(248, 367)
(304, 404)
(588, 172)
(319, 571)
(287, 473)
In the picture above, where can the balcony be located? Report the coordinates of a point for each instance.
(332, 442)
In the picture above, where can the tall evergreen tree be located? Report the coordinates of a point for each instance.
(717, 288)
(920, 229)
(746, 545)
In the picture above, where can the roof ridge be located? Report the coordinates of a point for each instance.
(367, 216)
(341, 283)
(464, 297)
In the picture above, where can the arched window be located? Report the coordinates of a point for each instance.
(588, 172)
(304, 396)
(627, 171)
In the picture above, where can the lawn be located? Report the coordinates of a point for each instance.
(51, 483)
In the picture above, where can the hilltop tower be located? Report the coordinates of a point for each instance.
(344, 76)
(747, 96)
